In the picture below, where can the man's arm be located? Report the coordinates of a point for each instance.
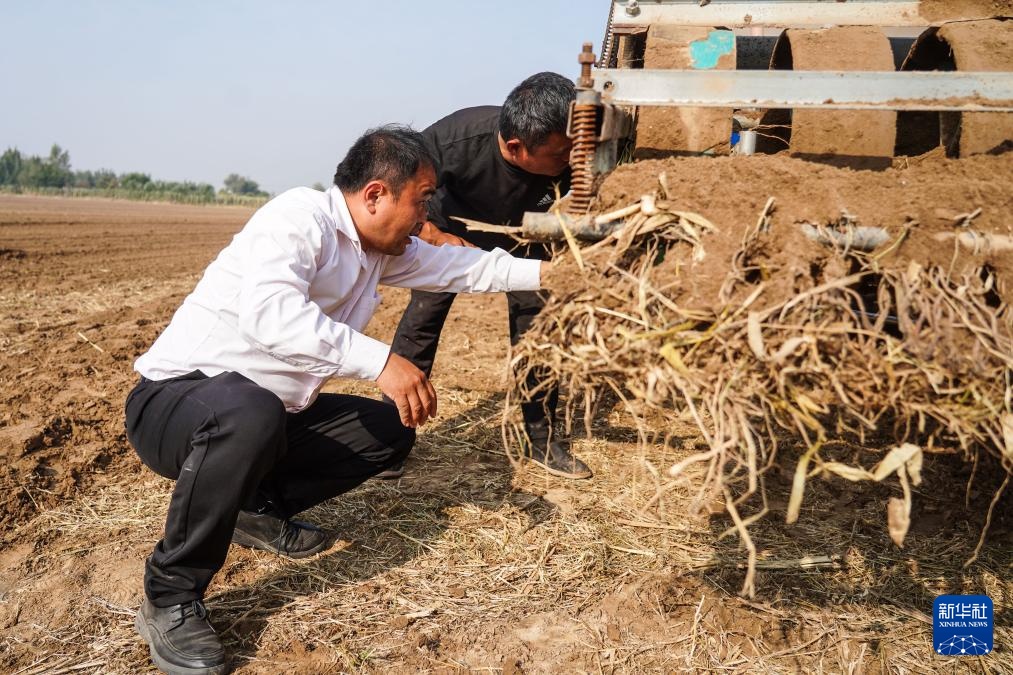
(276, 316)
(457, 269)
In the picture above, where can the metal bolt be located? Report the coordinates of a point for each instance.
(633, 7)
(586, 60)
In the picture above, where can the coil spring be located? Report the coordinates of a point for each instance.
(582, 158)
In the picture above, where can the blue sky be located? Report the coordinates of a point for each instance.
(276, 91)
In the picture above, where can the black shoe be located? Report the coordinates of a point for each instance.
(267, 532)
(180, 639)
(555, 458)
(391, 473)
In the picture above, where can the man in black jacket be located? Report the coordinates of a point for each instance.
(495, 163)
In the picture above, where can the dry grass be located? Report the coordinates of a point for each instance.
(470, 565)
(773, 362)
(464, 566)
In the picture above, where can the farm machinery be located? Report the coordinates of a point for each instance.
(862, 316)
(854, 83)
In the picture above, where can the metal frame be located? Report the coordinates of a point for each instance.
(753, 13)
(942, 91)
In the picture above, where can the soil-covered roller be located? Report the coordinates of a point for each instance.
(863, 138)
(670, 130)
(969, 46)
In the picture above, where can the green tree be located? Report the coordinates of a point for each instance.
(83, 179)
(241, 185)
(10, 166)
(106, 179)
(135, 181)
(33, 173)
(206, 191)
(59, 160)
(53, 171)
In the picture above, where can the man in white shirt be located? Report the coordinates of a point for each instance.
(229, 406)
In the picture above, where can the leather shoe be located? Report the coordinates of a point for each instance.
(267, 532)
(392, 472)
(180, 639)
(555, 457)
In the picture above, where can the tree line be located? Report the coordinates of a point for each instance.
(54, 175)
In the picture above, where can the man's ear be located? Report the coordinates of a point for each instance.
(372, 193)
(514, 147)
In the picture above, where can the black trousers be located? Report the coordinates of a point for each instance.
(418, 335)
(229, 444)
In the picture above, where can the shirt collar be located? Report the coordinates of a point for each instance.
(344, 223)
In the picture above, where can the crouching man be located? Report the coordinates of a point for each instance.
(228, 403)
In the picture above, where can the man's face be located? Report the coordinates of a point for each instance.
(548, 159)
(400, 219)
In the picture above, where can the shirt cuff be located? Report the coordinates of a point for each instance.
(525, 275)
(366, 357)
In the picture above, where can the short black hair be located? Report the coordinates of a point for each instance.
(392, 153)
(536, 108)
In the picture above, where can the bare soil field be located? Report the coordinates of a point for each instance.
(467, 564)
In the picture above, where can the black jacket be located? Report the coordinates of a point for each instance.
(475, 182)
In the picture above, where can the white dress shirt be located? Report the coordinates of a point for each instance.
(285, 302)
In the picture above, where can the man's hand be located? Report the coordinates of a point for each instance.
(437, 237)
(410, 389)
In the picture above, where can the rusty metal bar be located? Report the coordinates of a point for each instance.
(942, 91)
(777, 13)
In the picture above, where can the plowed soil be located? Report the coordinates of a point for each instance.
(468, 564)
